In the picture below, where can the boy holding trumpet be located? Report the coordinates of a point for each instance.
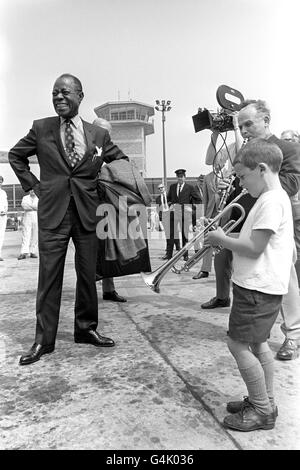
(262, 257)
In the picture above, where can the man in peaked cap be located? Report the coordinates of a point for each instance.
(181, 197)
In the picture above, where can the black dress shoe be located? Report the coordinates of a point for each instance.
(35, 353)
(93, 337)
(215, 303)
(201, 275)
(113, 296)
(288, 350)
(166, 257)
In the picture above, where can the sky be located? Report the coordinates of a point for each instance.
(178, 50)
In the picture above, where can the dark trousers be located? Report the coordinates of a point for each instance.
(171, 235)
(223, 270)
(53, 245)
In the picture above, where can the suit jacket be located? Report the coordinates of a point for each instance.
(188, 195)
(58, 180)
(289, 173)
(122, 179)
(121, 256)
(159, 206)
(125, 175)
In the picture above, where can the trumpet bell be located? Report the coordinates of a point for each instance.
(151, 281)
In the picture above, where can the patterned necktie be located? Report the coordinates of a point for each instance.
(70, 144)
(179, 189)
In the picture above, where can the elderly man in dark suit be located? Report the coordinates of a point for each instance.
(70, 153)
(182, 198)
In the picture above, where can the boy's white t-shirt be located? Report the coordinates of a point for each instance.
(270, 272)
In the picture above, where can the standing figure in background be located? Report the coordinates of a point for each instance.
(199, 186)
(293, 136)
(211, 201)
(153, 219)
(181, 198)
(29, 226)
(164, 217)
(3, 215)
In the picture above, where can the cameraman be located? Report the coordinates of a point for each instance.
(225, 152)
(222, 260)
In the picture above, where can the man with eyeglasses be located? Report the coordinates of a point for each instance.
(70, 152)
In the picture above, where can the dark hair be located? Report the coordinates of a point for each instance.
(76, 80)
(260, 151)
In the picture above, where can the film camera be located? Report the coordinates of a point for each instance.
(220, 121)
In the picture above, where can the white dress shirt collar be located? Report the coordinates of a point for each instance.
(76, 121)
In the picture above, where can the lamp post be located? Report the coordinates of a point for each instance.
(163, 106)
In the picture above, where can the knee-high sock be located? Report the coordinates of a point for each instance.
(267, 362)
(253, 375)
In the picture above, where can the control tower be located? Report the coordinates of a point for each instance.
(131, 124)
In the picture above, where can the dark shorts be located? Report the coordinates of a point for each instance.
(252, 315)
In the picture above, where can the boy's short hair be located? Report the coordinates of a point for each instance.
(260, 151)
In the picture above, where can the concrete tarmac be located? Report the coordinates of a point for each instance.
(164, 386)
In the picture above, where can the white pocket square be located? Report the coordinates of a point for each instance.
(97, 153)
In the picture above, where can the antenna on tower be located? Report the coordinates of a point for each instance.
(129, 94)
(118, 95)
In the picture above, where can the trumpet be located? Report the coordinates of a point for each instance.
(154, 278)
(196, 257)
(228, 227)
